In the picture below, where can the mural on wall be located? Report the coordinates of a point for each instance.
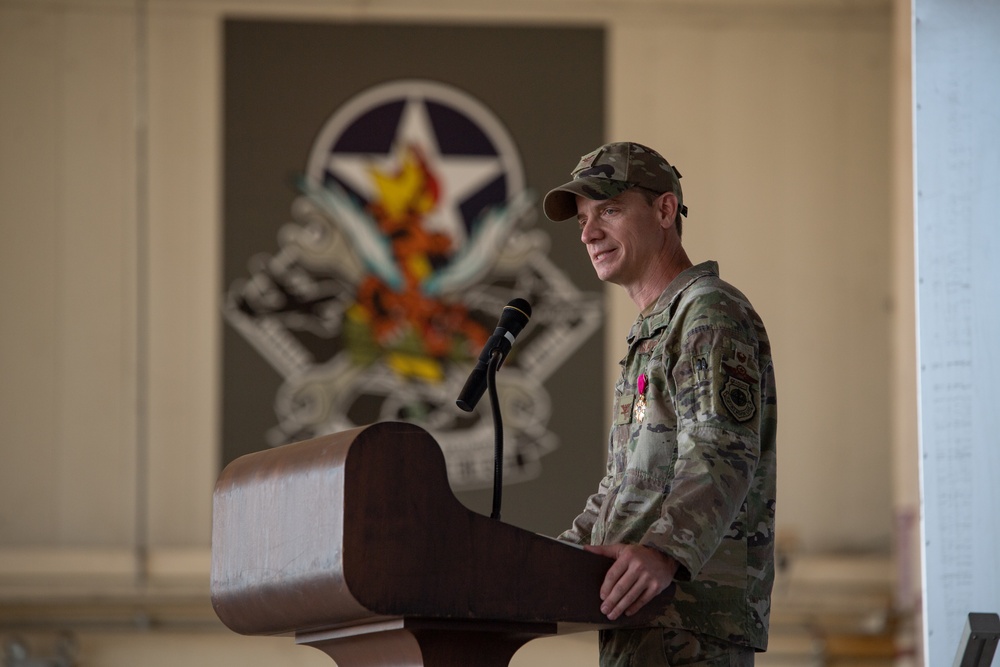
(381, 205)
(412, 228)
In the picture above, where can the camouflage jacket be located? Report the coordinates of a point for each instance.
(691, 464)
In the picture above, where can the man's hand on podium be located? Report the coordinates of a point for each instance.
(637, 576)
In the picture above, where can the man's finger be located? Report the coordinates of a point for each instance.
(613, 579)
(614, 572)
(621, 600)
(617, 583)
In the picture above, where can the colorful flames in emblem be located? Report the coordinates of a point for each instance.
(410, 331)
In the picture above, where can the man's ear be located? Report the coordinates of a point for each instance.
(666, 206)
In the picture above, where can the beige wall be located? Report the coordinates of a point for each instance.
(780, 127)
(777, 112)
(903, 397)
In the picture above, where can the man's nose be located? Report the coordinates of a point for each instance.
(589, 231)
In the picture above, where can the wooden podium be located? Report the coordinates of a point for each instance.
(355, 544)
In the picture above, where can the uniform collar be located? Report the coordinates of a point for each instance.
(659, 314)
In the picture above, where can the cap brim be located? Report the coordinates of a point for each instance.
(560, 203)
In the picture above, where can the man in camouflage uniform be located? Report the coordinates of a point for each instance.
(690, 485)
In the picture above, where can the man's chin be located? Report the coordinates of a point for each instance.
(607, 274)
(604, 271)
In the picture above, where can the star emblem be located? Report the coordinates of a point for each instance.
(460, 175)
(320, 310)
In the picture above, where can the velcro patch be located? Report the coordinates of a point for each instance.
(623, 409)
(738, 399)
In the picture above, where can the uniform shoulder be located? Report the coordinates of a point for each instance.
(712, 291)
(711, 302)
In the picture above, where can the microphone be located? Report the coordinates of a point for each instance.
(512, 319)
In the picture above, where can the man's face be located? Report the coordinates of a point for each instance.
(624, 236)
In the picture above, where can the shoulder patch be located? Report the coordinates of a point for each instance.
(738, 399)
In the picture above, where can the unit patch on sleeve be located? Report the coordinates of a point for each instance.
(737, 398)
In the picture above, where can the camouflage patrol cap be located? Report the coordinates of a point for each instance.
(611, 170)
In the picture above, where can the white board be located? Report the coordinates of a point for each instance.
(957, 162)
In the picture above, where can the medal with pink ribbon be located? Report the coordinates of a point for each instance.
(640, 402)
